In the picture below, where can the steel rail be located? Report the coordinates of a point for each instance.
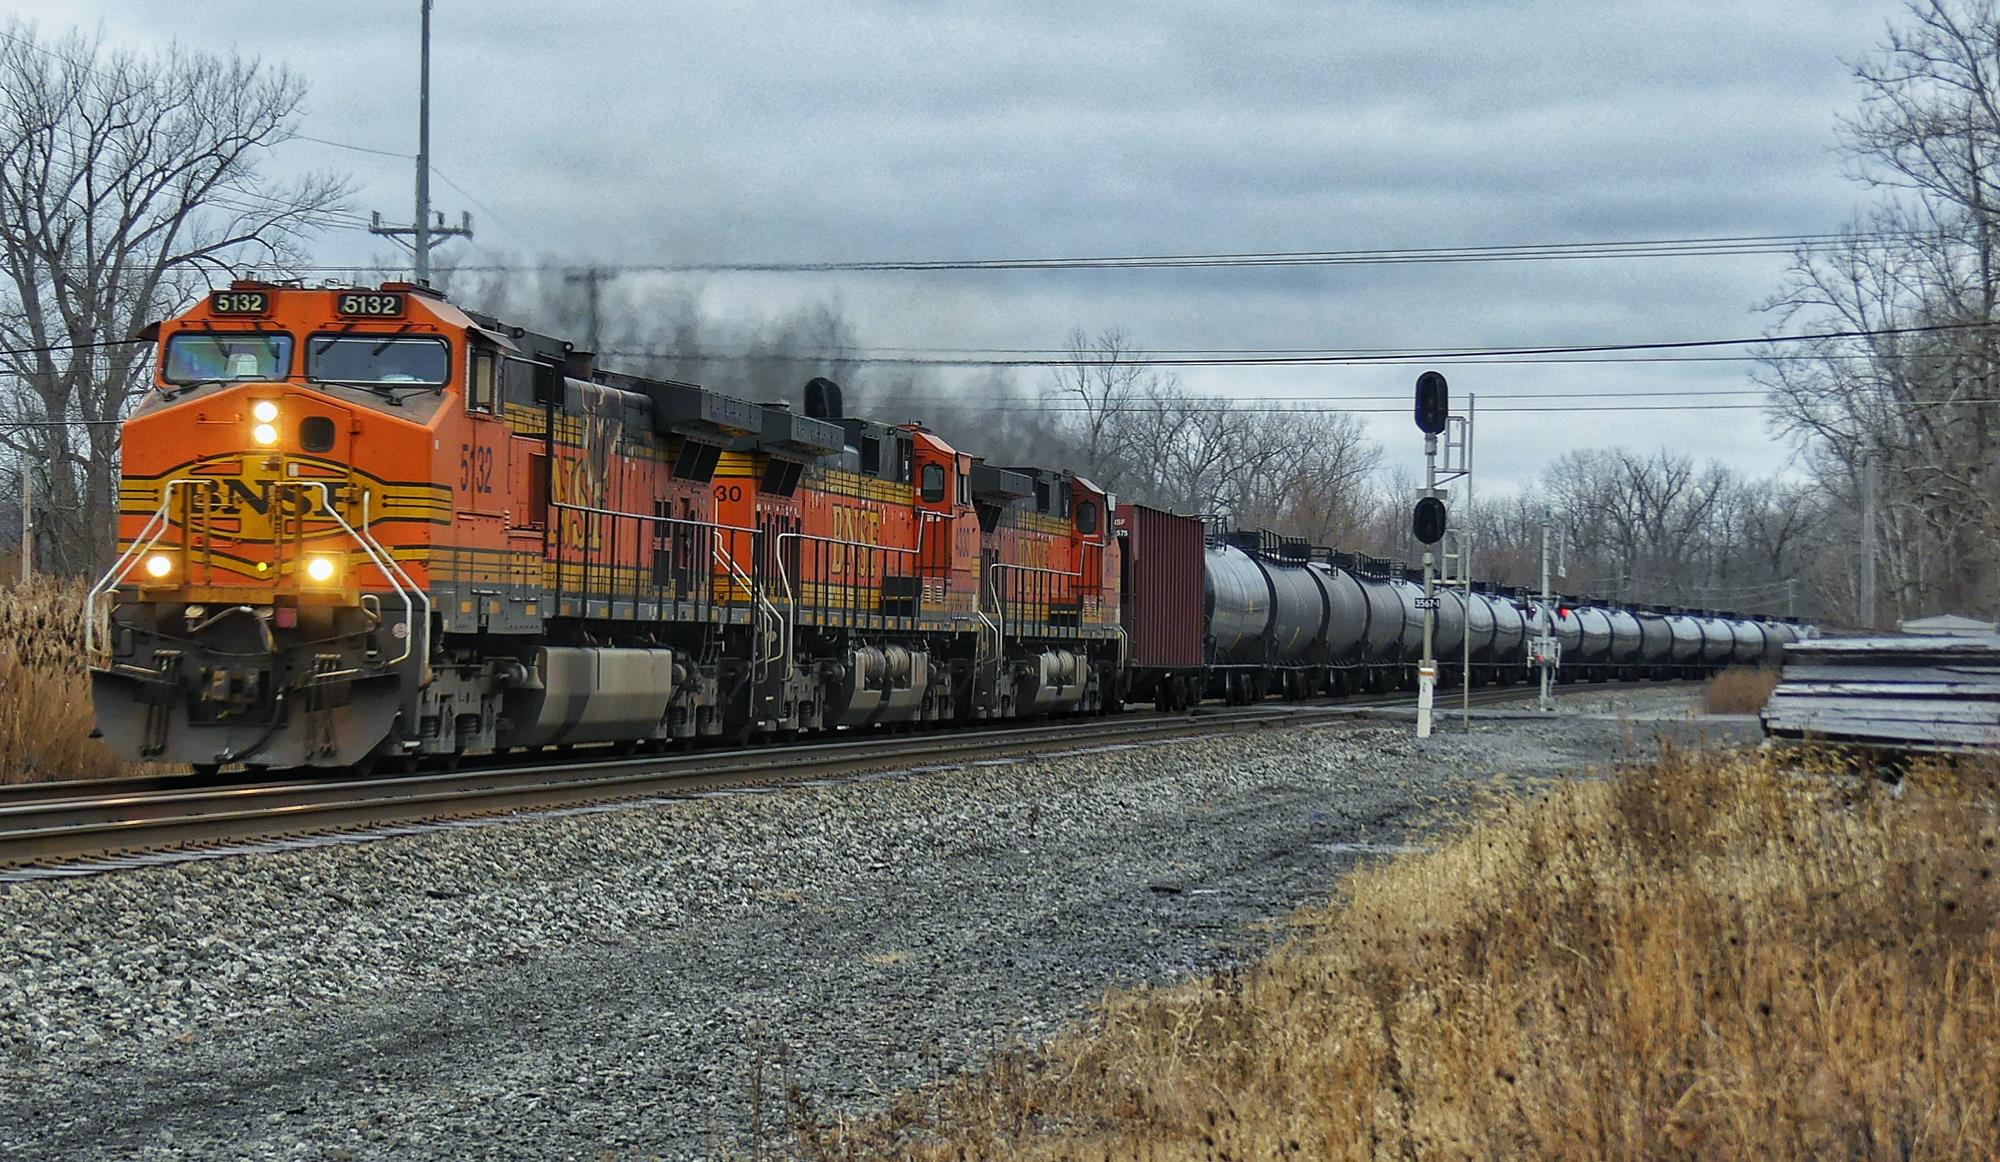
(75, 829)
(13, 794)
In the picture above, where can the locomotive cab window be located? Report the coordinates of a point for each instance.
(1041, 495)
(871, 456)
(1086, 517)
(200, 356)
(482, 390)
(933, 484)
(350, 357)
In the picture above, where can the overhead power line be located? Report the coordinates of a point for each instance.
(1327, 357)
(1722, 246)
(1307, 357)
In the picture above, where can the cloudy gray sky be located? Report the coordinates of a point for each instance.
(810, 130)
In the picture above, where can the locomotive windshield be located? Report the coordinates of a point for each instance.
(207, 356)
(378, 359)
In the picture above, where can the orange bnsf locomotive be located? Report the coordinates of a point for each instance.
(365, 524)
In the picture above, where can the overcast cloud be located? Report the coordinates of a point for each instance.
(831, 130)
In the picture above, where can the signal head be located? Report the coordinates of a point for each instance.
(1433, 403)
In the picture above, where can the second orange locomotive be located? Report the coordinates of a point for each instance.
(363, 523)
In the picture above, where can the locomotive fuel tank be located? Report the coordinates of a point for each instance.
(1346, 611)
(1239, 604)
(576, 694)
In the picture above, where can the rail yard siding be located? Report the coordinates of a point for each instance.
(1163, 583)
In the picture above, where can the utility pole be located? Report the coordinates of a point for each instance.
(592, 279)
(426, 235)
(1868, 541)
(1465, 571)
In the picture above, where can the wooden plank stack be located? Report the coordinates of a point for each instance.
(1903, 692)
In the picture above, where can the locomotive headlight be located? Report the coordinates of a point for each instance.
(265, 435)
(321, 568)
(160, 566)
(264, 412)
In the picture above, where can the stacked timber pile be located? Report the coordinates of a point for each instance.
(1904, 692)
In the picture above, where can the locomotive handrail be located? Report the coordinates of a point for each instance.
(924, 519)
(1000, 601)
(658, 518)
(762, 603)
(393, 572)
(149, 535)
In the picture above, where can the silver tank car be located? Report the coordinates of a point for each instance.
(1239, 605)
(1298, 615)
(1594, 634)
(1656, 639)
(1718, 641)
(1346, 611)
(1448, 628)
(1479, 626)
(1411, 639)
(1626, 637)
(1382, 640)
(1687, 635)
(1510, 631)
(1750, 645)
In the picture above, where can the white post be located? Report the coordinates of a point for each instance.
(1427, 670)
(1547, 628)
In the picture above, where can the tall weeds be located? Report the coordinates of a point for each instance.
(45, 712)
(1723, 956)
(1739, 690)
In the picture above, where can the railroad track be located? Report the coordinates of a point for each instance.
(61, 823)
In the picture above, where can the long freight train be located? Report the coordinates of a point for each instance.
(364, 524)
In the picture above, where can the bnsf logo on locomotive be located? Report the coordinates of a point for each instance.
(863, 527)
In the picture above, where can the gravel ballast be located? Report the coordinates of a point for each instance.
(651, 981)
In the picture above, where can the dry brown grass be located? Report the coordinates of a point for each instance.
(1727, 957)
(45, 714)
(1738, 690)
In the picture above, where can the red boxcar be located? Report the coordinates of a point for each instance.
(1163, 614)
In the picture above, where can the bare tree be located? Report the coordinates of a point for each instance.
(1104, 382)
(127, 183)
(1918, 406)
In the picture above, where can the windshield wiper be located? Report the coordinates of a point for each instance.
(405, 329)
(179, 389)
(388, 391)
